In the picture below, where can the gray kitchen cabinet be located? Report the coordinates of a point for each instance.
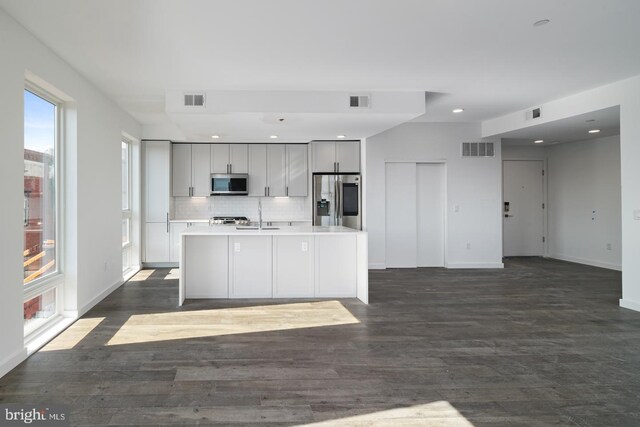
(276, 170)
(297, 170)
(338, 156)
(156, 193)
(208, 268)
(229, 158)
(250, 266)
(190, 170)
(336, 266)
(293, 266)
(258, 170)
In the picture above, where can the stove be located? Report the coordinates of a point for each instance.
(234, 220)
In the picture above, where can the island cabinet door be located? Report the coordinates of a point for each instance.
(293, 266)
(335, 266)
(250, 267)
(206, 266)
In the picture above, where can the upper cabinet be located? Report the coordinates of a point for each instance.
(277, 170)
(297, 170)
(191, 170)
(336, 157)
(229, 158)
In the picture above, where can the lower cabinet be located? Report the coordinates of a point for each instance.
(175, 240)
(293, 266)
(208, 268)
(250, 267)
(336, 266)
(156, 242)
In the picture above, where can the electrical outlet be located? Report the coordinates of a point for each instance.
(456, 208)
(636, 214)
(468, 245)
(305, 246)
(105, 266)
(608, 246)
(236, 247)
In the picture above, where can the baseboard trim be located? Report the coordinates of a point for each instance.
(102, 295)
(12, 361)
(584, 261)
(460, 265)
(631, 305)
(377, 266)
(160, 265)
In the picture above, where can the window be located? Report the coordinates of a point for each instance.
(126, 206)
(41, 252)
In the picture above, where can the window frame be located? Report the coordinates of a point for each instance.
(127, 214)
(54, 280)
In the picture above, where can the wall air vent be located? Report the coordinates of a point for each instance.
(536, 113)
(359, 101)
(477, 149)
(194, 99)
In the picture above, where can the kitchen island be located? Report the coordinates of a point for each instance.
(226, 261)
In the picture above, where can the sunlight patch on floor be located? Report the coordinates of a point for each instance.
(173, 274)
(142, 275)
(440, 413)
(73, 334)
(143, 328)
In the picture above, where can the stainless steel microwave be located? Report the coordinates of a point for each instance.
(229, 184)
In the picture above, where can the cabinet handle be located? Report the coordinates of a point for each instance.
(268, 191)
(286, 192)
(265, 191)
(167, 222)
(337, 166)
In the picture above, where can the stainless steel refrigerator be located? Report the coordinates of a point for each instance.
(337, 200)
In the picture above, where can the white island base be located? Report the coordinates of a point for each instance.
(291, 262)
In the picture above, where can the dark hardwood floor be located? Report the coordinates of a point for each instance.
(541, 342)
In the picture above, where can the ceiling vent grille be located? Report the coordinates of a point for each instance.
(536, 113)
(477, 149)
(194, 99)
(359, 101)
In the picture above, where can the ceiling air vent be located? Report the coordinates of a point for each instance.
(477, 149)
(359, 101)
(194, 99)
(536, 113)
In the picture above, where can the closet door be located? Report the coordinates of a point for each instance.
(401, 219)
(430, 214)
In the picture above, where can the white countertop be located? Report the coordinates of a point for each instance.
(203, 230)
(206, 221)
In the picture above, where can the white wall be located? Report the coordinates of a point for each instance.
(583, 178)
(511, 152)
(473, 185)
(92, 166)
(626, 94)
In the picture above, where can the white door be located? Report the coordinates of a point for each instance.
(157, 180)
(430, 213)
(348, 156)
(181, 170)
(156, 242)
(401, 219)
(297, 170)
(522, 183)
(200, 169)
(276, 170)
(219, 158)
(238, 158)
(258, 170)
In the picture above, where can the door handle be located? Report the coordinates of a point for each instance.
(507, 216)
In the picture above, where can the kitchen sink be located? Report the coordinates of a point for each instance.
(256, 228)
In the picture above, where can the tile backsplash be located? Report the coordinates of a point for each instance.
(273, 209)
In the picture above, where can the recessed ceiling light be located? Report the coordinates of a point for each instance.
(215, 136)
(541, 22)
(457, 110)
(538, 141)
(274, 137)
(341, 137)
(594, 131)
(590, 120)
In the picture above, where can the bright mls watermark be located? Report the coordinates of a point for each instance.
(34, 415)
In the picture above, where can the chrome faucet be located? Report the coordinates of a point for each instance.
(259, 214)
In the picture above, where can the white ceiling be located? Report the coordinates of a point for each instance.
(484, 56)
(571, 129)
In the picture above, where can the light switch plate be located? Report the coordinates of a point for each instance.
(236, 247)
(636, 214)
